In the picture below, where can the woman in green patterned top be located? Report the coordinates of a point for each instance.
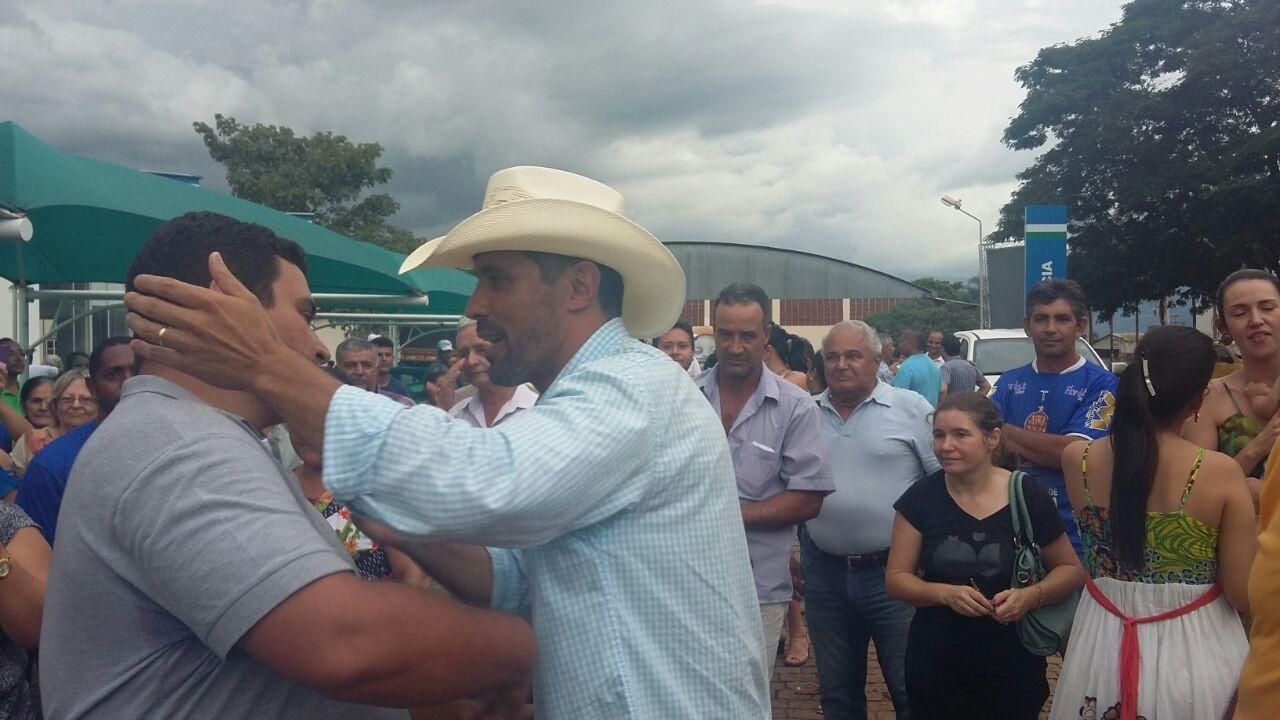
(1169, 535)
(1238, 415)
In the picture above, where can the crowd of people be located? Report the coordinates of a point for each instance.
(591, 526)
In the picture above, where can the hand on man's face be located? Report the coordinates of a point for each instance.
(212, 334)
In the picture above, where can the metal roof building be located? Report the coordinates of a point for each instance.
(783, 273)
(810, 292)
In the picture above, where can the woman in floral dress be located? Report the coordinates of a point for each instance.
(1169, 535)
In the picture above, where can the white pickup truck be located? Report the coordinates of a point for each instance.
(995, 352)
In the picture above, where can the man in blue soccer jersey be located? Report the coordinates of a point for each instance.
(1058, 398)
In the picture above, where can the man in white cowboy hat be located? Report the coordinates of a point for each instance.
(614, 495)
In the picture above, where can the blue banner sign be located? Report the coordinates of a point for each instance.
(1046, 239)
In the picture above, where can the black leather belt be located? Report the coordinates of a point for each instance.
(880, 558)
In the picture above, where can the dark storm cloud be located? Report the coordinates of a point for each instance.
(826, 126)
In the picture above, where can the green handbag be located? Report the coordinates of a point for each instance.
(1045, 630)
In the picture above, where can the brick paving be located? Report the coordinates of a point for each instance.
(795, 690)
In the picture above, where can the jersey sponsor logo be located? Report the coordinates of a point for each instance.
(1076, 392)
(1038, 421)
(1099, 416)
(1018, 388)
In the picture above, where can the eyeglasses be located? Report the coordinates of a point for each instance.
(69, 401)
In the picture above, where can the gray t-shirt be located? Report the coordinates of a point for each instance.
(179, 531)
(960, 375)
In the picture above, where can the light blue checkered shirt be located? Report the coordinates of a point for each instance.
(618, 489)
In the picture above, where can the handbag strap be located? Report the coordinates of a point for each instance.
(1018, 508)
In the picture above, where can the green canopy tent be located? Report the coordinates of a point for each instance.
(90, 218)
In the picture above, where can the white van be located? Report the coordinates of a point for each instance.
(995, 352)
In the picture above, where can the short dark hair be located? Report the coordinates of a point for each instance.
(70, 357)
(913, 339)
(744, 293)
(382, 341)
(951, 344)
(552, 265)
(95, 360)
(30, 387)
(680, 325)
(180, 249)
(1047, 292)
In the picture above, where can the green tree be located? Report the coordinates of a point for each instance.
(324, 174)
(953, 307)
(1163, 138)
(949, 290)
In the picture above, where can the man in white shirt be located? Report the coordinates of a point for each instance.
(491, 403)
(935, 348)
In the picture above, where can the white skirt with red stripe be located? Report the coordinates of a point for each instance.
(1190, 664)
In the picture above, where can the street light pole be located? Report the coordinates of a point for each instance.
(954, 203)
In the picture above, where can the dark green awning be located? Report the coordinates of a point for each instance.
(90, 218)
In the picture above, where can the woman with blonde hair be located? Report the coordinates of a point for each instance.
(73, 405)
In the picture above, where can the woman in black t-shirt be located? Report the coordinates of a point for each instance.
(952, 557)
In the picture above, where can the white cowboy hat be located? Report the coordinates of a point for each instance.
(553, 211)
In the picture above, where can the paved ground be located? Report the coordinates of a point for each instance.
(795, 691)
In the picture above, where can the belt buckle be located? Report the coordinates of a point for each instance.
(858, 562)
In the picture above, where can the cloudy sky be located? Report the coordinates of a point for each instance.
(825, 125)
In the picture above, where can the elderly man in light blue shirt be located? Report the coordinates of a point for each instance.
(774, 436)
(879, 439)
(608, 507)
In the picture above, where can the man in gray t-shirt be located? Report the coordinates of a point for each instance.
(192, 580)
(179, 545)
(960, 375)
